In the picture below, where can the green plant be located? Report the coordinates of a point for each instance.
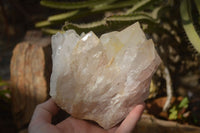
(4, 92)
(101, 15)
(175, 111)
(188, 21)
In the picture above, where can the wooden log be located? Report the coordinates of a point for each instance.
(30, 71)
(152, 124)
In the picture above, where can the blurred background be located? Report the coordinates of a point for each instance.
(25, 55)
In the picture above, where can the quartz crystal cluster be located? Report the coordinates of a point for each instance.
(102, 79)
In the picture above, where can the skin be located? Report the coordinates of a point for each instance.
(42, 116)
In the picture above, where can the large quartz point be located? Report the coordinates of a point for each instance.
(102, 79)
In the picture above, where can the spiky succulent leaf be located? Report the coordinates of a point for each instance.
(197, 3)
(62, 16)
(51, 31)
(43, 24)
(141, 11)
(99, 6)
(117, 5)
(131, 17)
(138, 5)
(110, 23)
(71, 5)
(185, 10)
(97, 27)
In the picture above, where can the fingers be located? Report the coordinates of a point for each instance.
(45, 111)
(131, 120)
(72, 124)
(41, 119)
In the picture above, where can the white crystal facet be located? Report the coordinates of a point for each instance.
(102, 79)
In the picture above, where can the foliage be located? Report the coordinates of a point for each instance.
(175, 111)
(188, 24)
(4, 93)
(113, 14)
(106, 15)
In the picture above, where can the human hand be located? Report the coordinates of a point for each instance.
(42, 116)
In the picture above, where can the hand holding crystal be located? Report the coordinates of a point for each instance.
(41, 121)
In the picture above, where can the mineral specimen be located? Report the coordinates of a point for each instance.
(102, 79)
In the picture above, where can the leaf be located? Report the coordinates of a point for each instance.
(71, 5)
(46, 23)
(43, 24)
(131, 17)
(140, 4)
(51, 31)
(184, 103)
(99, 6)
(2, 83)
(197, 3)
(173, 113)
(115, 6)
(137, 5)
(155, 12)
(185, 11)
(62, 16)
(109, 23)
(106, 24)
(98, 26)
(5, 94)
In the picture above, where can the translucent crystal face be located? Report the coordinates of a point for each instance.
(102, 79)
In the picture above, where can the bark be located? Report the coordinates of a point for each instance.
(150, 124)
(30, 71)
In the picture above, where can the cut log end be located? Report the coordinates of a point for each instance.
(30, 71)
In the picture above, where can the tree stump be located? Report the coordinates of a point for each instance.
(30, 71)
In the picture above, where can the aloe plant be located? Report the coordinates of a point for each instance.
(188, 24)
(123, 13)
